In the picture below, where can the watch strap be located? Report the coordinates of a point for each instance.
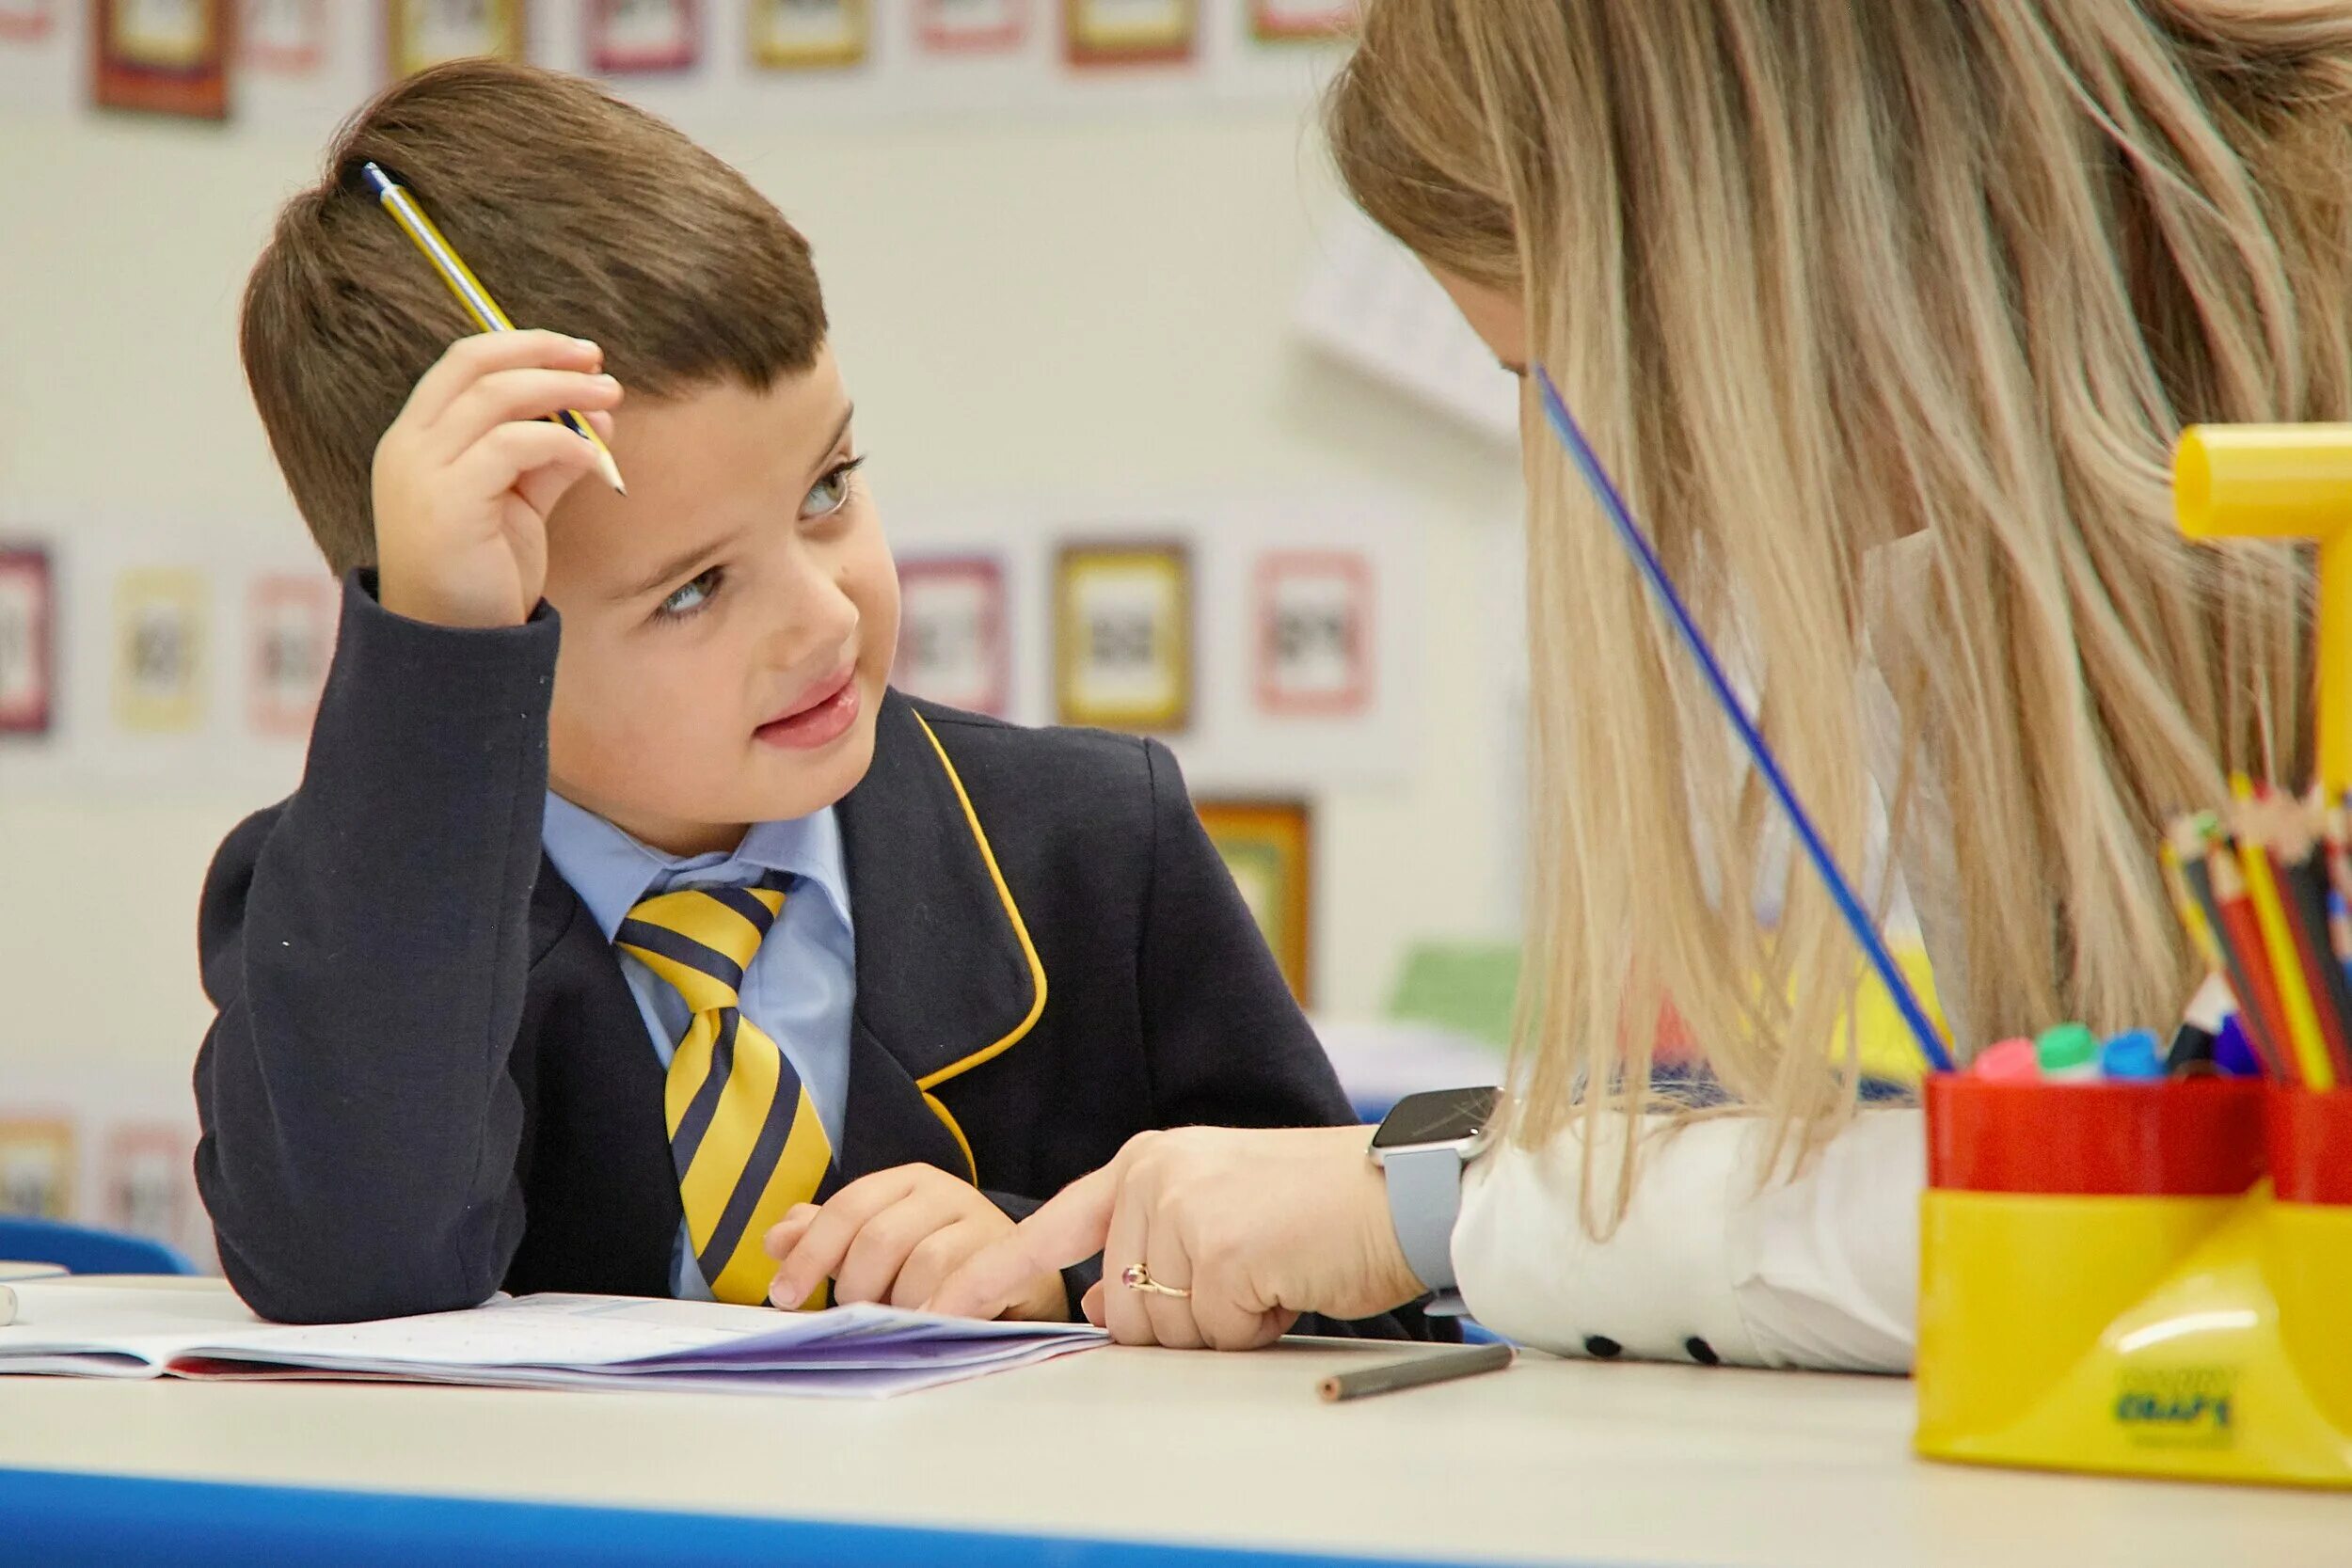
(1425, 1200)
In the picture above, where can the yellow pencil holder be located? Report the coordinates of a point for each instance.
(2141, 1279)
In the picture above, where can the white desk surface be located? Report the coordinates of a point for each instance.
(1592, 1464)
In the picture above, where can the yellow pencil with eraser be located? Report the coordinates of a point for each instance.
(470, 293)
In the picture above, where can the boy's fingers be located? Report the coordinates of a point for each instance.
(783, 1235)
(542, 487)
(1068, 1229)
(933, 1258)
(883, 1244)
(538, 461)
(819, 1254)
(504, 397)
(468, 359)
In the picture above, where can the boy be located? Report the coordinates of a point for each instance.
(599, 958)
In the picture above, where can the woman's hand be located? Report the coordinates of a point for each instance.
(1258, 1226)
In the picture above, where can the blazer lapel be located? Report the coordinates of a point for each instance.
(946, 975)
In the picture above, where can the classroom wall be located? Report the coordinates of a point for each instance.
(1091, 304)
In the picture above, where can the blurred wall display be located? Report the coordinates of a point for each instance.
(125, 664)
(160, 652)
(1318, 652)
(955, 632)
(1130, 32)
(626, 37)
(147, 1184)
(37, 1166)
(161, 56)
(1123, 636)
(28, 643)
(1285, 630)
(303, 65)
(972, 26)
(289, 641)
(27, 21)
(1268, 847)
(809, 35)
(107, 1143)
(1292, 21)
(421, 33)
(282, 38)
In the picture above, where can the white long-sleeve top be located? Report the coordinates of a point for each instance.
(1817, 1271)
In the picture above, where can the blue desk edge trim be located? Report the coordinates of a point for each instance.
(73, 1516)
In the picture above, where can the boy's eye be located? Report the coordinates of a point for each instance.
(831, 493)
(693, 596)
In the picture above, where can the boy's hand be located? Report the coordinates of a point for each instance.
(893, 1237)
(465, 478)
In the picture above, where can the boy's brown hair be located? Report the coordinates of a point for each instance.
(578, 214)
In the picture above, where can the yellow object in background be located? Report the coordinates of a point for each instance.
(1888, 1052)
(2285, 482)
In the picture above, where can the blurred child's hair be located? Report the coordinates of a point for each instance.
(579, 212)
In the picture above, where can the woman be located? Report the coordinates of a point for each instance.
(1885, 317)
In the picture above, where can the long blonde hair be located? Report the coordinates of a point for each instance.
(1820, 276)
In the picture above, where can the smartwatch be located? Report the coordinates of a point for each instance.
(1421, 1148)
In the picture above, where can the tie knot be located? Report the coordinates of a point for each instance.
(700, 939)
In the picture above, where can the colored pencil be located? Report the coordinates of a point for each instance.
(2257, 1015)
(2306, 1049)
(2258, 1003)
(2304, 898)
(2193, 919)
(471, 295)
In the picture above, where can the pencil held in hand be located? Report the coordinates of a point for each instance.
(471, 295)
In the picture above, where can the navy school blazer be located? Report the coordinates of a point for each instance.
(428, 1080)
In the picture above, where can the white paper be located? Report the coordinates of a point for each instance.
(544, 1341)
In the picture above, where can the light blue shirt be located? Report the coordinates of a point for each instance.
(800, 986)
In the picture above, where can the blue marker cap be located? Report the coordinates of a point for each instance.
(2133, 1054)
(2233, 1055)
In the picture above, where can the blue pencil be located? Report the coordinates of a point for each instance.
(1604, 490)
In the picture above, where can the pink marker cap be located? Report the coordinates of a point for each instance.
(2011, 1061)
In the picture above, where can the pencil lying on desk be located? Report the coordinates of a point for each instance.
(471, 295)
(1438, 1367)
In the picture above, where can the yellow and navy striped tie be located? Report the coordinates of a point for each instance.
(744, 1134)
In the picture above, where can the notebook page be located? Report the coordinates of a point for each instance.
(821, 1380)
(122, 1330)
(601, 1333)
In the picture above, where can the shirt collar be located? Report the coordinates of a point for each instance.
(613, 872)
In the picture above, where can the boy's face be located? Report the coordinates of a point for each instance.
(729, 624)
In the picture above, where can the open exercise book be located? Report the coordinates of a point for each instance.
(190, 1329)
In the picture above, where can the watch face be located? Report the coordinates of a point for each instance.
(1440, 1116)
